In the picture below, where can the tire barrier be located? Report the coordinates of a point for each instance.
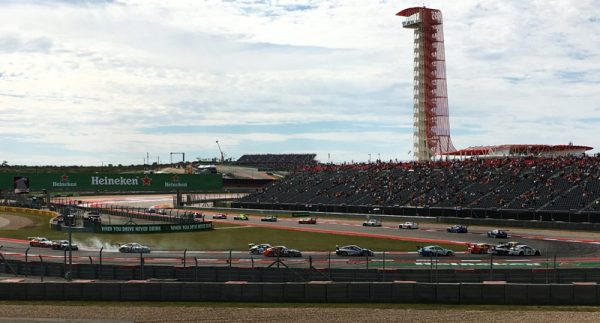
(330, 292)
(279, 275)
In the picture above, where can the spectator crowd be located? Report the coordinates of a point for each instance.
(560, 183)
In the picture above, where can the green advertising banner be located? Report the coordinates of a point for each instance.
(154, 228)
(110, 182)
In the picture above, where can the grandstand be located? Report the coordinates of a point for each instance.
(277, 162)
(559, 188)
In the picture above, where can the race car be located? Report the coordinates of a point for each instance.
(434, 251)
(408, 225)
(270, 218)
(478, 248)
(257, 249)
(353, 250)
(498, 234)
(503, 248)
(40, 242)
(308, 221)
(523, 250)
(242, 217)
(281, 251)
(63, 245)
(457, 228)
(372, 223)
(162, 211)
(134, 247)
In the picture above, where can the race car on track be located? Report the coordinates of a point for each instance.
(408, 225)
(372, 223)
(308, 221)
(281, 251)
(134, 247)
(257, 249)
(353, 250)
(242, 217)
(63, 245)
(498, 234)
(162, 211)
(40, 242)
(434, 251)
(457, 228)
(503, 248)
(220, 216)
(478, 248)
(270, 218)
(523, 250)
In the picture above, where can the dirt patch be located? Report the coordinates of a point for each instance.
(283, 314)
(14, 222)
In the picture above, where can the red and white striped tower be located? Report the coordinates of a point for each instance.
(431, 117)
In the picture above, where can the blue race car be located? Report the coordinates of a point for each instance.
(434, 251)
(457, 229)
(499, 234)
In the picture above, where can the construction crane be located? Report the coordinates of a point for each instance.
(182, 155)
(221, 151)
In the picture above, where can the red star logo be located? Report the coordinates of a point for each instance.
(147, 180)
(175, 178)
(64, 178)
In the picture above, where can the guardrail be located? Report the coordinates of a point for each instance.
(496, 292)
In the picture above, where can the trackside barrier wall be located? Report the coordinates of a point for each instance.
(586, 220)
(331, 292)
(263, 274)
(13, 209)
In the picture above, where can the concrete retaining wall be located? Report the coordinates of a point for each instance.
(262, 274)
(330, 292)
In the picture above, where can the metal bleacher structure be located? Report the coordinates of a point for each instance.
(551, 189)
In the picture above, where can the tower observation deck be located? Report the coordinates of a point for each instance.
(431, 118)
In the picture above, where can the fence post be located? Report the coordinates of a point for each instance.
(491, 266)
(184, 257)
(230, 258)
(367, 261)
(102, 248)
(310, 262)
(41, 268)
(196, 269)
(27, 254)
(252, 260)
(141, 265)
(91, 261)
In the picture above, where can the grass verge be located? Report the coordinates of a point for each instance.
(224, 237)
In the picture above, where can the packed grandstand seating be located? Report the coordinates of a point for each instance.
(561, 184)
(286, 162)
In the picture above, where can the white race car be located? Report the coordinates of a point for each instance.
(523, 250)
(408, 225)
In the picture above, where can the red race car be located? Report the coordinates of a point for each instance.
(308, 221)
(40, 242)
(478, 248)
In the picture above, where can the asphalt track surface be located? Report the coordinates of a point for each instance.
(564, 248)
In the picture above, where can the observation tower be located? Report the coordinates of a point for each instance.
(431, 118)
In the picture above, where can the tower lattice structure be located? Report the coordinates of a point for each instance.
(431, 118)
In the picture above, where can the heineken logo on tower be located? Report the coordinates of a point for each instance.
(64, 182)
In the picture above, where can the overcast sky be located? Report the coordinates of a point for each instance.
(92, 82)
